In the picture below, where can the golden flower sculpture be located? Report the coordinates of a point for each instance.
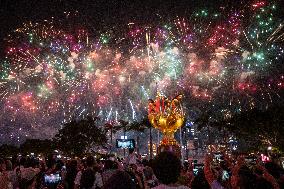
(167, 116)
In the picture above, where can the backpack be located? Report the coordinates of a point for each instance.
(87, 179)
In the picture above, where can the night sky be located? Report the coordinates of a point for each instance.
(100, 12)
(100, 15)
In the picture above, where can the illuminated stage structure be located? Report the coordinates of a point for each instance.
(167, 116)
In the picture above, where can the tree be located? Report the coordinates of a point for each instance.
(258, 127)
(37, 146)
(255, 129)
(140, 126)
(8, 150)
(113, 127)
(109, 126)
(137, 126)
(78, 136)
(146, 123)
(205, 122)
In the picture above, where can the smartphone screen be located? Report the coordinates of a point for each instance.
(64, 168)
(195, 172)
(52, 178)
(196, 167)
(218, 157)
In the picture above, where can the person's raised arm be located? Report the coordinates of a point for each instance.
(268, 177)
(77, 180)
(209, 175)
(235, 172)
(119, 164)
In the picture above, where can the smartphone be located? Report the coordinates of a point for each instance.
(218, 157)
(196, 167)
(52, 178)
(250, 160)
(63, 168)
(225, 175)
(195, 172)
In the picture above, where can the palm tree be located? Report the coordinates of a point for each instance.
(141, 126)
(137, 127)
(204, 121)
(109, 126)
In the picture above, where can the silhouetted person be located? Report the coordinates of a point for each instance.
(120, 180)
(167, 168)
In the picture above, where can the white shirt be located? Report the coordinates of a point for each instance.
(131, 159)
